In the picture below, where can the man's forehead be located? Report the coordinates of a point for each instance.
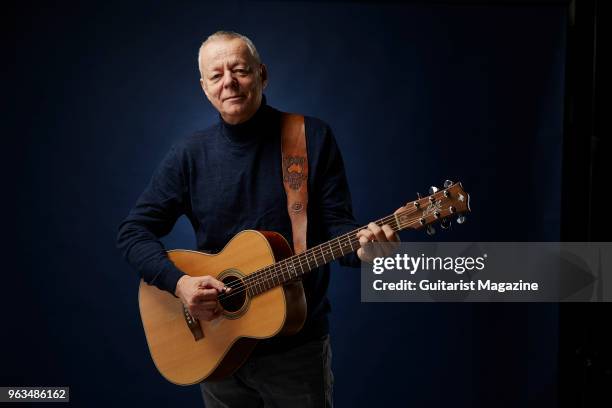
(222, 51)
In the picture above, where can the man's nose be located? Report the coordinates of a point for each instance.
(229, 81)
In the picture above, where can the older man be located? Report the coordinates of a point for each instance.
(226, 179)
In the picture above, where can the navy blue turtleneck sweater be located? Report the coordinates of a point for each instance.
(228, 178)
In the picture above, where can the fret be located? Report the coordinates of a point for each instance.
(340, 242)
(281, 276)
(254, 284)
(264, 280)
(254, 289)
(257, 282)
(293, 269)
(308, 262)
(270, 280)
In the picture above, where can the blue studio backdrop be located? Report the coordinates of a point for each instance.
(415, 93)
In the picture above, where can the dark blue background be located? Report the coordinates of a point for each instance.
(415, 94)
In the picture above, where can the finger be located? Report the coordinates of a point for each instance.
(363, 255)
(210, 282)
(390, 235)
(202, 316)
(206, 304)
(378, 232)
(367, 234)
(207, 292)
(201, 309)
(203, 295)
(392, 244)
(365, 251)
(364, 240)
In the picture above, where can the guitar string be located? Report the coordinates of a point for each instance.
(332, 245)
(272, 275)
(267, 278)
(270, 272)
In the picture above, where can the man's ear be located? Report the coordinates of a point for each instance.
(264, 75)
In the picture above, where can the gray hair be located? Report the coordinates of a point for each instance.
(229, 34)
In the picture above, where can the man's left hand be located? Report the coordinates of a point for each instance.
(374, 233)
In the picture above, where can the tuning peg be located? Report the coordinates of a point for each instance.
(430, 230)
(445, 223)
(433, 190)
(447, 183)
(418, 195)
(461, 219)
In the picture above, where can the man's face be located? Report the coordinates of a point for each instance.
(232, 80)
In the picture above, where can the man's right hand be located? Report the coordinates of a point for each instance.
(199, 294)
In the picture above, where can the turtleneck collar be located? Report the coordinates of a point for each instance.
(248, 131)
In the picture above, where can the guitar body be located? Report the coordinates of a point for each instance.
(188, 352)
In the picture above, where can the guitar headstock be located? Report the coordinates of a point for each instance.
(439, 205)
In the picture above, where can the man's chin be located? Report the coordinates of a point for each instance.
(234, 108)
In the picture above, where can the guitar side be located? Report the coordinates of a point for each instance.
(179, 353)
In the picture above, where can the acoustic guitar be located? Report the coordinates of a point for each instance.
(266, 297)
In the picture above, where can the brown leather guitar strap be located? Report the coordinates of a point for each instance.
(295, 175)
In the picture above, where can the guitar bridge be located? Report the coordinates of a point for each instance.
(193, 324)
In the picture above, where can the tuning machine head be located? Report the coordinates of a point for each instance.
(430, 230)
(433, 190)
(447, 183)
(461, 219)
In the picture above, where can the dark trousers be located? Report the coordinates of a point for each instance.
(296, 378)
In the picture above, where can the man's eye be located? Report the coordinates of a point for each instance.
(216, 76)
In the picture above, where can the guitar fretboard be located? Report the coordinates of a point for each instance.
(298, 265)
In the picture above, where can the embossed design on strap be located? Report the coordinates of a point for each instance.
(295, 175)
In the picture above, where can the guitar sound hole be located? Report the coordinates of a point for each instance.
(234, 300)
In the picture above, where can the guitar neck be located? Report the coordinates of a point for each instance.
(300, 264)
(415, 215)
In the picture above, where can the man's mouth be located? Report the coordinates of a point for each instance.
(233, 98)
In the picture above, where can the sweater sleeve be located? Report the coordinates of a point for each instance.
(336, 207)
(152, 217)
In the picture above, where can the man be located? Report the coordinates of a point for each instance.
(225, 179)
